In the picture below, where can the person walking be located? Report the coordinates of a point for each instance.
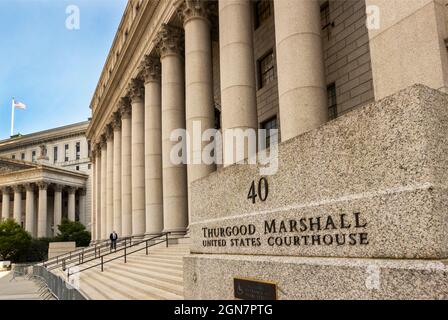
(113, 240)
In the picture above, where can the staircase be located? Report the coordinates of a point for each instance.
(156, 276)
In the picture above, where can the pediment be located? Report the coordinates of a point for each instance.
(9, 165)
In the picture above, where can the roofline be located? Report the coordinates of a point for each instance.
(11, 142)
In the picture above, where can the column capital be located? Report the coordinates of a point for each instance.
(125, 108)
(116, 121)
(193, 9)
(5, 190)
(17, 188)
(30, 186)
(42, 185)
(103, 141)
(136, 90)
(151, 69)
(71, 189)
(82, 191)
(109, 132)
(169, 41)
(57, 187)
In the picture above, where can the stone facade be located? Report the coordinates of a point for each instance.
(45, 176)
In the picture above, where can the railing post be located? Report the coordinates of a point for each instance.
(79, 258)
(147, 247)
(124, 254)
(102, 262)
(166, 234)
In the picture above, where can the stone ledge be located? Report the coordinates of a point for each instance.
(317, 278)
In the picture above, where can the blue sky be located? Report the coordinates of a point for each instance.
(50, 68)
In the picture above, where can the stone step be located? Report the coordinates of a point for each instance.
(176, 278)
(148, 279)
(118, 290)
(96, 289)
(145, 291)
(158, 265)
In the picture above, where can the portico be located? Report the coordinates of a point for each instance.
(39, 196)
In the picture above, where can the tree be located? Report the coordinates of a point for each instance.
(73, 231)
(13, 240)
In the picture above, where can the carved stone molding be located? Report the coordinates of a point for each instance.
(5, 190)
(71, 190)
(17, 188)
(170, 41)
(136, 90)
(125, 108)
(30, 187)
(151, 69)
(57, 187)
(192, 9)
(116, 121)
(42, 185)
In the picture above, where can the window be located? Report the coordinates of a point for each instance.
(217, 119)
(266, 69)
(13, 157)
(22, 156)
(78, 150)
(77, 168)
(269, 125)
(66, 153)
(89, 166)
(262, 12)
(332, 103)
(325, 19)
(33, 156)
(55, 154)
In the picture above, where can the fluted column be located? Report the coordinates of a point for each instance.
(238, 90)
(153, 146)
(117, 174)
(110, 180)
(71, 203)
(200, 114)
(42, 215)
(6, 198)
(57, 206)
(30, 210)
(103, 188)
(126, 172)
(98, 192)
(175, 207)
(138, 157)
(17, 213)
(82, 206)
(301, 78)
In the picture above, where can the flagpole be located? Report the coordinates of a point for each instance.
(12, 118)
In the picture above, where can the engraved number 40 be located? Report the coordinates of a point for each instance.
(262, 191)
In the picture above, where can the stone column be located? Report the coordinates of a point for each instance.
(71, 203)
(57, 213)
(138, 157)
(6, 198)
(238, 90)
(17, 213)
(98, 192)
(200, 113)
(82, 206)
(30, 210)
(117, 174)
(110, 180)
(126, 172)
(103, 188)
(175, 207)
(300, 66)
(94, 191)
(42, 215)
(153, 146)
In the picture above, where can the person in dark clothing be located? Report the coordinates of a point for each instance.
(113, 240)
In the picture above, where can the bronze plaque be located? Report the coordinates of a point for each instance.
(247, 289)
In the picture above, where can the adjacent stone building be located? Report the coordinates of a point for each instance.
(44, 177)
(284, 64)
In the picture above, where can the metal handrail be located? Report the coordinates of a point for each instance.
(83, 254)
(163, 237)
(55, 262)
